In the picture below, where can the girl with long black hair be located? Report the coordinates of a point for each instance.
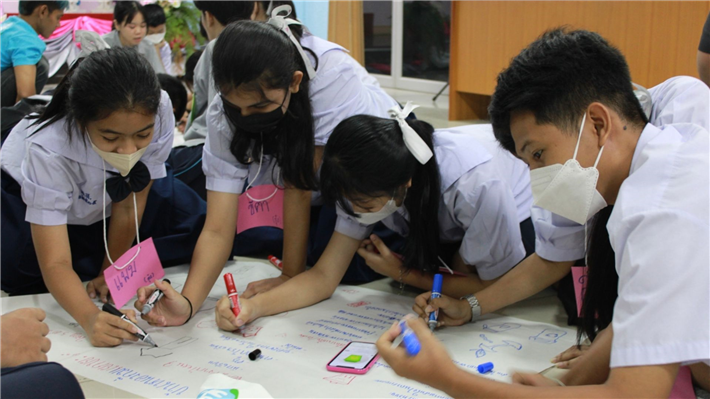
(107, 118)
(281, 91)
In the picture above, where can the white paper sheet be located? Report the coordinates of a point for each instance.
(295, 345)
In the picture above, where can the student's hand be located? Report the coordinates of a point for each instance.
(171, 310)
(452, 312)
(105, 329)
(431, 366)
(379, 257)
(565, 359)
(24, 337)
(257, 287)
(98, 287)
(225, 317)
(533, 379)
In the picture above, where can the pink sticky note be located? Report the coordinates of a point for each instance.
(579, 278)
(265, 208)
(683, 387)
(138, 267)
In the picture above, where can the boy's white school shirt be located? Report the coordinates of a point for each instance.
(660, 232)
(485, 195)
(681, 99)
(62, 180)
(341, 88)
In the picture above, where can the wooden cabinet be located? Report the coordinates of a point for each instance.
(659, 39)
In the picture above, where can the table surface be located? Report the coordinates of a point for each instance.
(543, 307)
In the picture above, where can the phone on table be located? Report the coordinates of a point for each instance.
(355, 358)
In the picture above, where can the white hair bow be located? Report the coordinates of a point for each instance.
(281, 22)
(414, 143)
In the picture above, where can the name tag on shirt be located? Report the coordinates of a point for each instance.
(138, 267)
(579, 278)
(265, 208)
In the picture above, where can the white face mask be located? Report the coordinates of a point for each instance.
(568, 190)
(369, 218)
(155, 38)
(122, 162)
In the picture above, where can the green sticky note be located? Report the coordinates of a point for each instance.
(353, 358)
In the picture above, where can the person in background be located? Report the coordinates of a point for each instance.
(129, 30)
(177, 92)
(23, 349)
(703, 58)
(155, 18)
(24, 69)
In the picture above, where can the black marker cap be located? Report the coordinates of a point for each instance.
(254, 355)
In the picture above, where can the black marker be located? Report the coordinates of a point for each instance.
(153, 299)
(141, 334)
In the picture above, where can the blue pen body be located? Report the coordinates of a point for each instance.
(435, 293)
(409, 339)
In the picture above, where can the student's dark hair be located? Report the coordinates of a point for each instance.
(28, 7)
(227, 12)
(125, 11)
(254, 56)
(602, 279)
(190, 65)
(557, 77)
(365, 158)
(177, 93)
(104, 82)
(154, 15)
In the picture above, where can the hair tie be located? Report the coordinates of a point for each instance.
(412, 140)
(281, 22)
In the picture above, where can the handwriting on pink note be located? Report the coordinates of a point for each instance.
(265, 208)
(579, 278)
(138, 267)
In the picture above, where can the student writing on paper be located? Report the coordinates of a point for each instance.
(91, 159)
(282, 92)
(430, 186)
(564, 102)
(471, 198)
(560, 241)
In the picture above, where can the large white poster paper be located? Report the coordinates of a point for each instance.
(295, 346)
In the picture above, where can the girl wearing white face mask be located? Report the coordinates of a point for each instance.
(155, 20)
(76, 183)
(129, 30)
(451, 187)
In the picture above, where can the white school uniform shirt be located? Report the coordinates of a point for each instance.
(660, 230)
(203, 84)
(144, 48)
(62, 180)
(341, 88)
(485, 195)
(680, 99)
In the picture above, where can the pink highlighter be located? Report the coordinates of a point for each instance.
(232, 294)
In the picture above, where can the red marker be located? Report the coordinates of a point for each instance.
(232, 294)
(276, 262)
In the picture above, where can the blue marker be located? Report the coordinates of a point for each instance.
(410, 340)
(435, 293)
(485, 367)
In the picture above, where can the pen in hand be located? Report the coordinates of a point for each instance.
(141, 334)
